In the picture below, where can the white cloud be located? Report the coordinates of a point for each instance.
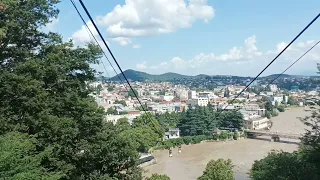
(136, 46)
(83, 36)
(52, 24)
(246, 60)
(137, 18)
(142, 66)
(122, 40)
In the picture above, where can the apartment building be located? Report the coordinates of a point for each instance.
(168, 107)
(256, 122)
(198, 102)
(192, 94)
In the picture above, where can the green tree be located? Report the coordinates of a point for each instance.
(133, 93)
(281, 108)
(168, 120)
(162, 92)
(111, 110)
(143, 138)
(268, 105)
(226, 93)
(44, 93)
(148, 120)
(110, 88)
(19, 158)
(291, 100)
(231, 119)
(123, 102)
(283, 165)
(123, 124)
(158, 177)
(218, 170)
(311, 140)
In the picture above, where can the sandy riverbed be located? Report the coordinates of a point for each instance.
(192, 161)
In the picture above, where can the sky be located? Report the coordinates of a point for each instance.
(198, 36)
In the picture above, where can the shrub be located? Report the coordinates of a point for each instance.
(223, 136)
(187, 140)
(236, 135)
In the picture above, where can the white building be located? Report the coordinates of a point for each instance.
(198, 101)
(256, 122)
(182, 94)
(192, 94)
(278, 99)
(115, 118)
(273, 87)
(167, 98)
(172, 133)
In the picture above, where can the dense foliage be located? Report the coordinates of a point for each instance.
(283, 165)
(218, 170)
(168, 120)
(158, 177)
(311, 140)
(50, 127)
(202, 120)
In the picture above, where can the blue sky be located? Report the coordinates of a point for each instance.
(198, 36)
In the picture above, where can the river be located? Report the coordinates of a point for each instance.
(190, 164)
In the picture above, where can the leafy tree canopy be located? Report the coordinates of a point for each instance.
(158, 177)
(282, 165)
(218, 170)
(45, 101)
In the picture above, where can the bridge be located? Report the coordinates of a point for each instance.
(274, 135)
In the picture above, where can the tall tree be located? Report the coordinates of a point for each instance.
(148, 120)
(19, 158)
(218, 170)
(311, 140)
(44, 94)
(283, 165)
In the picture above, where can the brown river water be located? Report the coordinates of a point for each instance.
(190, 164)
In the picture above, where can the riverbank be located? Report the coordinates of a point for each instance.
(192, 161)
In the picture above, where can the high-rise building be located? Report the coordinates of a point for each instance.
(192, 94)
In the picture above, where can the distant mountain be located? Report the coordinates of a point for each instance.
(282, 76)
(143, 76)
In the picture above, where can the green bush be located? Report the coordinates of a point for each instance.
(223, 136)
(168, 144)
(245, 134)
(236, 136)
(215, 137)
(196, 139)
(187, 140)
(281, 108)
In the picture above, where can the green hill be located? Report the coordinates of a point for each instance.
(142, 76)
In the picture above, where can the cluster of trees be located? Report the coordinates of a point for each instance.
(145, 132)
(202, 120)
(168, 120)
(123, 102)
(110, 88)
(51, 128)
